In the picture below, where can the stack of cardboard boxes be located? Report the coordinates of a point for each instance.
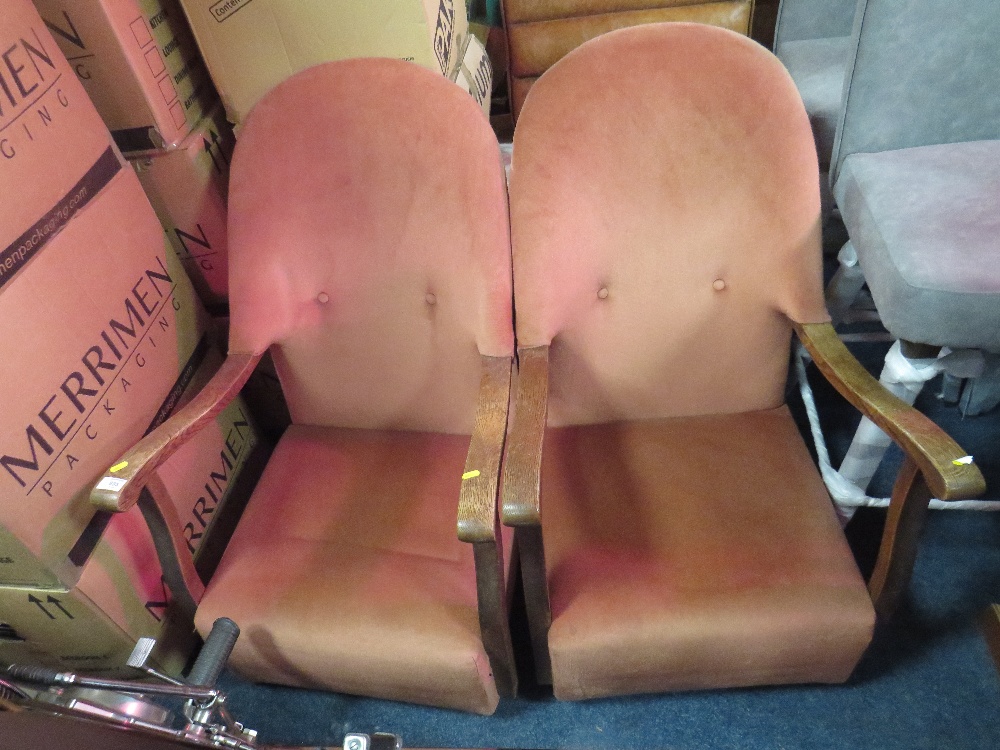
(140, 66)
(104, 336)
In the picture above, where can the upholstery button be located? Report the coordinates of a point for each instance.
(323, 298)
(430, 298)
(718, 285)
(603, 293)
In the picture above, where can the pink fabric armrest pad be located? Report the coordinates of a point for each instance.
(346, 572)
(665, 224)
(737, 571)
(369, 241)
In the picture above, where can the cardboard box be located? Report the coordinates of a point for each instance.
(139, 64)
(188, 187)
(83, 258)
(51, 140)
(121, 594)
(103, 335)
(63, 629)
(58, 628)
(250, 46)
(103, 338)
(475, 73)
(102, 329)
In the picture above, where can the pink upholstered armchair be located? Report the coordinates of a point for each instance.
(674, 533)
(369, 250)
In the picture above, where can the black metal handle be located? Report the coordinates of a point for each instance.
(33, 674)
(215, 653)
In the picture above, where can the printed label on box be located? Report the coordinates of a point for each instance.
(225, 8)
(188, 188)
(139, 65)
(22, 249)
(475, 74)
(444, 34)
(50, 133)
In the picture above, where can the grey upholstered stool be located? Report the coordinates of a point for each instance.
(916, 175)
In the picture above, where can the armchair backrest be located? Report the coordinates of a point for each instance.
(667, 229)
(922, 72)
(813, 19)
(369, 246)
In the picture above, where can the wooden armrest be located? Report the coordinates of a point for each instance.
(478, 522)
(520, 505)
(477, 502)
(119, 488)
(933, 451)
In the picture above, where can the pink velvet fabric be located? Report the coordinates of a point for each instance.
(695, 552)
(369, 242)
(346, 572)
(665, 224)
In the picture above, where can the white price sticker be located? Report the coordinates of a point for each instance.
(111, 483)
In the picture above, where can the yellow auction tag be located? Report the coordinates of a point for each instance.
(470, 474)
(118, 467)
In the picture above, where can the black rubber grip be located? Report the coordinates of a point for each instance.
(35, 675)
(215, 653)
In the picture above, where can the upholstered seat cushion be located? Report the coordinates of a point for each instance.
(332, 593)
(926, 225)
(695, 552)
(818, 66)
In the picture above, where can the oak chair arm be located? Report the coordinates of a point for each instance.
(521, 496)
(520, 504)
(477, 502)
(478, 521)
(932, 450)
(120, 486)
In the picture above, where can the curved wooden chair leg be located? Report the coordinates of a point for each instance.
(898, 551)
(536, 598)
(989, 624)
(493, 615)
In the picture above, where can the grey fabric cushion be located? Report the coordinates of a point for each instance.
(920, 72)
(817, 66)
(926, 225)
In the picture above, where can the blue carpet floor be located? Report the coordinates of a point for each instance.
(927, 681)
